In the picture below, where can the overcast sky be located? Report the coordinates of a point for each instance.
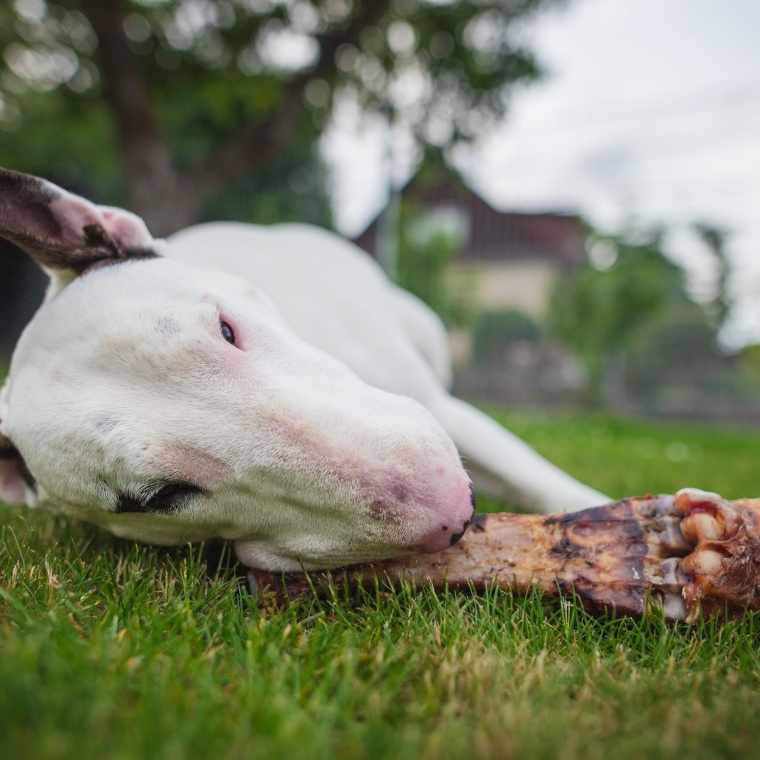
(650, 110)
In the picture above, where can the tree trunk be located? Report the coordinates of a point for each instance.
(162, 203)
(151, 180)
(164, 197)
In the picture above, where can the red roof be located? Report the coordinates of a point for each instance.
(491, 235)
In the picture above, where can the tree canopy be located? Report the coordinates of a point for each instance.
(170, 101)
(598, 309)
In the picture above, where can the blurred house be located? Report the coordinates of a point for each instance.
(508, 261)
(512, 257)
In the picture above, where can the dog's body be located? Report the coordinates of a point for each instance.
(266, 385)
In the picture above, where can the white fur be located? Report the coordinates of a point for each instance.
(387, 336)
(323, 437)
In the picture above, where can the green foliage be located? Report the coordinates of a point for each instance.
(598, 311)
(496, 330)
(226, 62)
(108, 649)
(425, 254)
(209, 90)
(675, 348)
(715, 240)
(289, 188)
(749, 360)
(68, 141)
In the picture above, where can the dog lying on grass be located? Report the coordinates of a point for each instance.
(263, 385)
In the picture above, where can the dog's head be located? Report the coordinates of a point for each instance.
(169, 405)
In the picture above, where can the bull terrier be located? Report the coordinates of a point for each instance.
(265, 385)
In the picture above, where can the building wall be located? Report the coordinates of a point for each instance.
(523, 285)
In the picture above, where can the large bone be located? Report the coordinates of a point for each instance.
(688, 555)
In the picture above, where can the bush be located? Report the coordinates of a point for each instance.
(678, 347)
(425, 256)
(496, 330)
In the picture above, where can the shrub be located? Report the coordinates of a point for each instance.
(496, 330)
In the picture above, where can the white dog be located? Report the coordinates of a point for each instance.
(264, 385)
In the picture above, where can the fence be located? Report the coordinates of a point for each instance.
(689, 381)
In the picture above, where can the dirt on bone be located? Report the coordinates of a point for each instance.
(689, 555)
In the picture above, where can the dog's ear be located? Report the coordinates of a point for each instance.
(15, 478)
(63, 233)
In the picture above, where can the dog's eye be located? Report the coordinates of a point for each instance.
(168, 497)
(227, 333)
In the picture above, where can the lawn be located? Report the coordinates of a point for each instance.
(109, 650)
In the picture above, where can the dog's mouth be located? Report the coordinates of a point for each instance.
(258, 554)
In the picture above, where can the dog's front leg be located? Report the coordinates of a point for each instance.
(503, 466)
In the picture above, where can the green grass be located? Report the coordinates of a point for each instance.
(110, 650)
(624, 457)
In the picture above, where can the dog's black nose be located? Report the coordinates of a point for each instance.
(459, 535)
(456, 536)
(473, 497)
